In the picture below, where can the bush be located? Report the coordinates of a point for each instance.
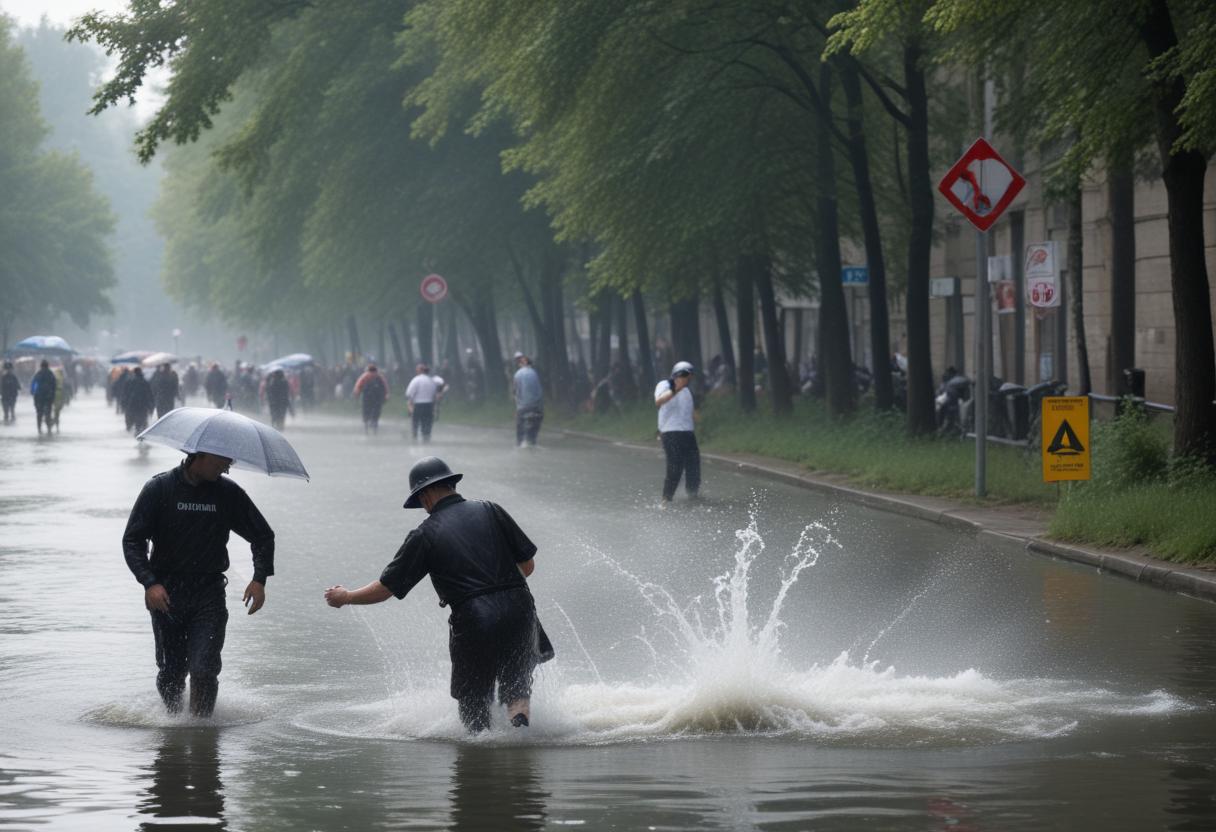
(1129, 450)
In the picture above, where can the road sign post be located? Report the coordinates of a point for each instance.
(981, 185)
(1065, 438)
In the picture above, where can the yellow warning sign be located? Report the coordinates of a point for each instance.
(1065, 440)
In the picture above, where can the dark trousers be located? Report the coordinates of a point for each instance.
(683, 458)
(189, 640)
(422, 420)
(371, 412)
(527, 425)
(10, 408)
(492, 639)
(42, 411)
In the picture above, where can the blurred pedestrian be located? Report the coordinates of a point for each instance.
(187, 514)
(278, 398)
(478, 559)
(529, 402)
(137, 401)
(42, 388)
(10, 387)
(373, 388)
(677, 418)
(166, 389)
(420, 397)
(216, 385)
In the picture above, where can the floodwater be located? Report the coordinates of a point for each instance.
(766, 659)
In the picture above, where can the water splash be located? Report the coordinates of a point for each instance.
(726, 674)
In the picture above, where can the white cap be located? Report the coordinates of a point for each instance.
(682, 367)
(517, 356)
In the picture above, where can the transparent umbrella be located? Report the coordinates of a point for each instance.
(247, 442)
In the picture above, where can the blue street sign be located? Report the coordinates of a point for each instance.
(855, 275)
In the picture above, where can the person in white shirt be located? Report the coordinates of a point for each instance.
(677, 415)
(420, 398)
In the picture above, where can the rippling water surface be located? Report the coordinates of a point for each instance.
(765, 659)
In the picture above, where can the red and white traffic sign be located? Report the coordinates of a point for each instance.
(434, 288)
(981, 185)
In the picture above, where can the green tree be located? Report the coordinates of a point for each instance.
(53, 225)
(1147, 63)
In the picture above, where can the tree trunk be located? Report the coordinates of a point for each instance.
(629, 388)
(482, 316)
(646, 373)
(1121, 190)
(451, 351)
(603, 347)
(836, 360)
(723, 319)
(426, 333)
(880, 331)
(686, 334)
(1076, 264)
(553, 307)
(774, 344)
(745, 312)
(397, 353)
(408, 346)
(921, 417)
(1183, 173)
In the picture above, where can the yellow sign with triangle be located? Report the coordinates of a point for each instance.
(1065, 440)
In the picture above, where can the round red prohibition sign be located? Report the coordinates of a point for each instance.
(434, 288)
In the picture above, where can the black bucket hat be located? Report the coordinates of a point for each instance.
(427, 472)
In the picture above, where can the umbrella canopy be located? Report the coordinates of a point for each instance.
(158, 358)
(289, 362)
(44, 344)
(132, 357)
(247, 442)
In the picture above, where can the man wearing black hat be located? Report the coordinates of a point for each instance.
(478, 559)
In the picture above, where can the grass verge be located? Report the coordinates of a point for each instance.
(1138, 496)
(872, 449)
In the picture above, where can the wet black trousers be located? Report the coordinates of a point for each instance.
(189, 640)
(527, 425)
(492, 640)
(371, 412)
(683, 458)
(422, 420)
(10, 408)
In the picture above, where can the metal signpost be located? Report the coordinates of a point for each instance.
(981, 185)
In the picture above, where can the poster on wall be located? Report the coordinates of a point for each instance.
(1042, 274)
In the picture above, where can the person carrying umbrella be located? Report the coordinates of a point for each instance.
(187, 514)
(478, 560)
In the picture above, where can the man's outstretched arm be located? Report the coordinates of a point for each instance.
(373, 593)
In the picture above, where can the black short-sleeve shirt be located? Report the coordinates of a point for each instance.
(468, 547)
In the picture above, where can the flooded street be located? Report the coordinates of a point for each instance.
(765, 659)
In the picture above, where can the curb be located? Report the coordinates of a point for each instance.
(1195, 583)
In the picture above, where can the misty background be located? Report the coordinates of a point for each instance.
(144, 316)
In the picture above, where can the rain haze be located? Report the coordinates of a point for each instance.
(520, 414)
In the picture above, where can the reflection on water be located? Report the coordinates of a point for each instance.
(497, 788)
(185, 790)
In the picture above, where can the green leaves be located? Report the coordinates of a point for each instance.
(53, 224)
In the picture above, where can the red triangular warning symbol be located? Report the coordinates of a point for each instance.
(1065, 442)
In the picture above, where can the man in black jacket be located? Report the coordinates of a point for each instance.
(9, 388)
(137, 401)
(478, 559)
(187, 514)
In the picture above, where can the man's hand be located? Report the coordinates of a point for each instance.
(254, 597)
(156, 598)
(337, 596)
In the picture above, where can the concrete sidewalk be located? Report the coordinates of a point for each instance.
(1012, 528)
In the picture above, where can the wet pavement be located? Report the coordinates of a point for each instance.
(767, 658)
